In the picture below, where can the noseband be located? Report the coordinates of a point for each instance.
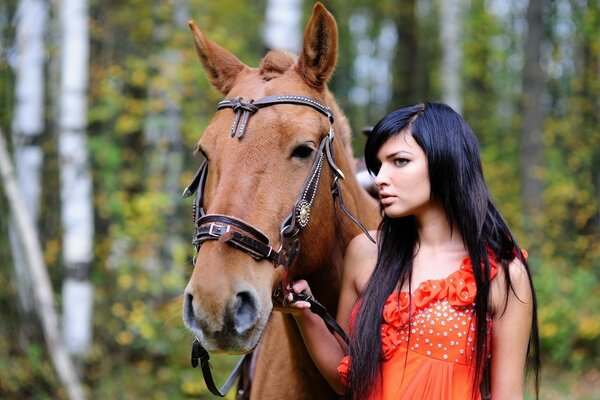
(243, 236)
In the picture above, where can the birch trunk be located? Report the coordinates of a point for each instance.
(41, 293)
(75, 177)
(162, 132)
(28, 125)
(282, 29)
(450, 31)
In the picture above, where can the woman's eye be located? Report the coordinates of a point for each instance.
(400, 162)
(303, 151)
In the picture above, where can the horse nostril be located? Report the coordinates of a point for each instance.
(189, 318)
(245, 314)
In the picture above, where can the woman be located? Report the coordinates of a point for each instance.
(443, 307)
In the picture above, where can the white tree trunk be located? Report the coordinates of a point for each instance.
(450, 30)
(41, 292)
(282, 29)
(162, 132)
(75, 177)
(372, 90)
(28, 124)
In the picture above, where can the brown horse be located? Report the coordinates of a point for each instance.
(256, 169)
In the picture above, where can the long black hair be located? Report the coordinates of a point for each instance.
(457, 183)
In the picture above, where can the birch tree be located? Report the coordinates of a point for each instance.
(282, 29)
(28, 124)
(450, 32)
(375, 38)
(75, 177)
(162, 129)
(41, 293)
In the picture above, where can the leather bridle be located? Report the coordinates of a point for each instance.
(249, 239)
(245, 237)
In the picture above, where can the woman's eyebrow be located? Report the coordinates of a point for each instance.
(396, 154)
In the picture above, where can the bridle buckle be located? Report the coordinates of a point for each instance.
(216, 230)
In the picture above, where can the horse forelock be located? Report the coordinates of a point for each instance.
(276, 63)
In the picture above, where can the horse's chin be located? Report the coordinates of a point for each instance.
(228, 341)
(229, 348)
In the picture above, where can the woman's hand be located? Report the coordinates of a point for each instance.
(293, 303)
(297, 288)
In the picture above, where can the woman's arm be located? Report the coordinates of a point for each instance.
(325, 349)
(511, 330)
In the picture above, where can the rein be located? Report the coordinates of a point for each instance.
(249, 239)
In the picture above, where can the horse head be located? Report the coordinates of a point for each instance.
(260, 186)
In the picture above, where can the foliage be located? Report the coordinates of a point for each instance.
(143, 63)
(570, 275)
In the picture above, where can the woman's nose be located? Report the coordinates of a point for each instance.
(381, 178)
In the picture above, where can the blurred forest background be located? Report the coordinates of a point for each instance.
(103, 101)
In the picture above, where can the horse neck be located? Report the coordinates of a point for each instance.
(325, 283)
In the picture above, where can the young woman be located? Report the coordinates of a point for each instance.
(443, 307)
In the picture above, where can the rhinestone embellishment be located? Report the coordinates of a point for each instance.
(303, 213)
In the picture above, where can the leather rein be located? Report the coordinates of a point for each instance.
(249, 239)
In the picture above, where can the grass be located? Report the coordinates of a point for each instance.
(561, 384)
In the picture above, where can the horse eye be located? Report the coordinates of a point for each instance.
(303, 151)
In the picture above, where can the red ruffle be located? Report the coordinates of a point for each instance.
(343, 369)
(458, 289)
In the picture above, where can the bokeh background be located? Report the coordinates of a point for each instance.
(102, 102)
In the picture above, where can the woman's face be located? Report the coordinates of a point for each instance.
(403, 180)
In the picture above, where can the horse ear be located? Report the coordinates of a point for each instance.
(320, 47)
(221, 66)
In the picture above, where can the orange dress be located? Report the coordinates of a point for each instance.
(430, 358)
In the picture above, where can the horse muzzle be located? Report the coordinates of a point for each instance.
(233, 328)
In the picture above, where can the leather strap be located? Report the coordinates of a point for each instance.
(337, 195)
(255, 248)
(321, 311)
(201, 357)
(243, 109)
(232, 221)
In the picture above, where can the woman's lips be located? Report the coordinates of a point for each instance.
(387, 199)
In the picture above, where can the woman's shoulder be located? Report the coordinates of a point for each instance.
(519, 285)
(361, 250)
(360, 259)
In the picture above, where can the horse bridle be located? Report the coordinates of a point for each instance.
(249, 239)
(243, 236)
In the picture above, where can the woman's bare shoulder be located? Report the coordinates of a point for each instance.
(361, 248)
(519, 289)
(361, 256)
